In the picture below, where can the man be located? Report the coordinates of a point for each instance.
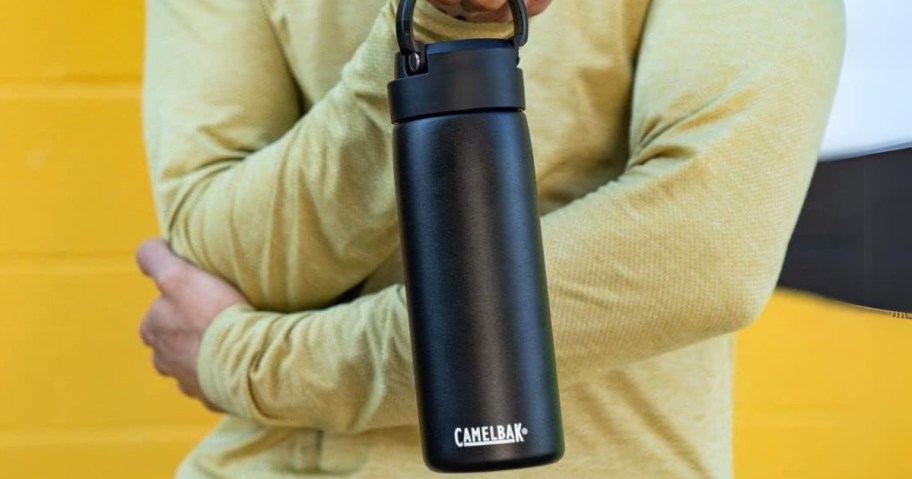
(674, 144)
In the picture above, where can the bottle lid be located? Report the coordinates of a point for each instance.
(458, 76)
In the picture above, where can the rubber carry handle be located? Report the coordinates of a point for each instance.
(413, 50)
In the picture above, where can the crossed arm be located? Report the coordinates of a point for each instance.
(684, 246)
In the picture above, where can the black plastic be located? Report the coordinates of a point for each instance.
(413, 50)
(462, 75)
(474, 268)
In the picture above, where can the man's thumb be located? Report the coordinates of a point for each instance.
(157, 261)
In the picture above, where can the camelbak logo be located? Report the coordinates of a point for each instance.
(490, 435)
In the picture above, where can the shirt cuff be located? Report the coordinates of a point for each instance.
(213, 382)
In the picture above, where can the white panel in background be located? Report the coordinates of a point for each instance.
(873, 108)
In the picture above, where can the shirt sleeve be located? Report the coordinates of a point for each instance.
(234, 158)
(730, 102)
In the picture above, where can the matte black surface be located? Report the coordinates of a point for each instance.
(463, 75)
(853, 241)
(476, 286)
(471, 243)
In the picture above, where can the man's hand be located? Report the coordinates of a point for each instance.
(486, 10)
(174, 325)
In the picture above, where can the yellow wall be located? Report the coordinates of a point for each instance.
(77, 397)
(822, 389)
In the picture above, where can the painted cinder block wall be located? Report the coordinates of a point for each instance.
(77, 397)
(823, 390)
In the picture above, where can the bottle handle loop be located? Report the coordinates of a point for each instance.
(414, 50)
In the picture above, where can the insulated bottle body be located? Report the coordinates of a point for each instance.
(480, 327)
(483, 354)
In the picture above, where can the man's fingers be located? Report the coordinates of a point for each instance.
(157, 261)
(146, 334)
(486, 5)
(187, 390)
(160, 365)
(159, 312)
(485, 11)
(504, 14)
(537, 6)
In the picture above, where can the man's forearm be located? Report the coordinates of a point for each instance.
(684, 246)
(296, 222)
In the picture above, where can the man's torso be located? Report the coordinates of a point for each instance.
(668, 416)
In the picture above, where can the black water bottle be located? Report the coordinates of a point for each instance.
(471, 238)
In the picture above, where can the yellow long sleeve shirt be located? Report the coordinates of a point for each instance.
(674, 144)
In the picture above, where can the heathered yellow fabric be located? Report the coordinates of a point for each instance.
(674, 143)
